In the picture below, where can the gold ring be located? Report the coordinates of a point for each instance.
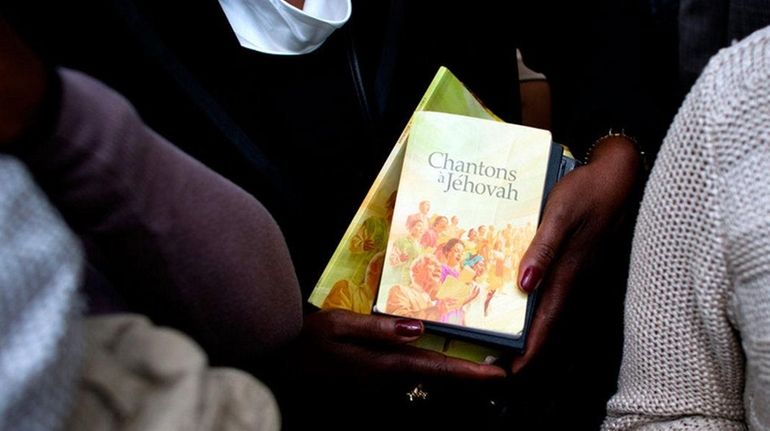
(417, 393)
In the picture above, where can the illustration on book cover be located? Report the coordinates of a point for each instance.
(468, 205)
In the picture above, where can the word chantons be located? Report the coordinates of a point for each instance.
(458, 176)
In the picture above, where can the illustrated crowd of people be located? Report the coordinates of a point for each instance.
(441, 269)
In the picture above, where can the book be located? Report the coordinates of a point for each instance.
(351, 278)
(470, 196)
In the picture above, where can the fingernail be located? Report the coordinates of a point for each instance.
(530, 279)
(408, 327)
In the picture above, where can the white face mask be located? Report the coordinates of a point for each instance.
(276, 27)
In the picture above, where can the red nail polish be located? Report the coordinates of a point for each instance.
(408, 327)
(531, 279)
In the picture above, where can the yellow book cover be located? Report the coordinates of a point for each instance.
(469, 202)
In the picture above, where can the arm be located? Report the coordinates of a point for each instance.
(183, 244)
(535, 95)
(696, 241)
(402, 303)
(593, 72)
(365, 238)
(670, 375)
(751, 312)
(169, 226)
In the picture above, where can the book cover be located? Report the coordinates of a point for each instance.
(351, 277)
(470, 196)
(368, 231)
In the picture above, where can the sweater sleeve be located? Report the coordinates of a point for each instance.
(750, 304)
(697, 349)
(682, 365)
(181, 243)
(742, 147)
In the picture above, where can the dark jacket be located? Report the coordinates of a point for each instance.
(308, 134)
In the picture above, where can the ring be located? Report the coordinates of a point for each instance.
(417, 393)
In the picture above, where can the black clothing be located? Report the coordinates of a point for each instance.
(307, 135)
(323, 123)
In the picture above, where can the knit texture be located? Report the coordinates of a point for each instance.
(40, 341)
(698, 298)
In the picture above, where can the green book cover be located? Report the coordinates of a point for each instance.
(456, 265)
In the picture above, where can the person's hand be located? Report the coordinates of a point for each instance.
(340, 342)
(346, 364)
(581, 210)
(23, 83)
(474, 293)
(395, 257)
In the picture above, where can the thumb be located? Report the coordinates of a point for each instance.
(544, 248)
(373, 328)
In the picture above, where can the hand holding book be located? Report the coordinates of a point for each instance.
(582, 209)
(499, 207)
(350, 344)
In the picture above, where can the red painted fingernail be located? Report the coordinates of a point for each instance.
(408, 327)
(531, 279)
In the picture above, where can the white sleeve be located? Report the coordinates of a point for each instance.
(682, 365)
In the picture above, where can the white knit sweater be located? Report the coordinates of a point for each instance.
(697, 346)
(40, 343)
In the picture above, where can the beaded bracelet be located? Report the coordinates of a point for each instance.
(618, 134)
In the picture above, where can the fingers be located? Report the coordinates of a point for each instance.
(550, 304)
(473, 295)
(366, 345)
(413, 361)
(433, 364)
(346, 325)
(549, 238)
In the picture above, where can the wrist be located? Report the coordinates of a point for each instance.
(618, 149)
(616, 161)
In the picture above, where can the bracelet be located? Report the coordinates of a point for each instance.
(618, 134)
